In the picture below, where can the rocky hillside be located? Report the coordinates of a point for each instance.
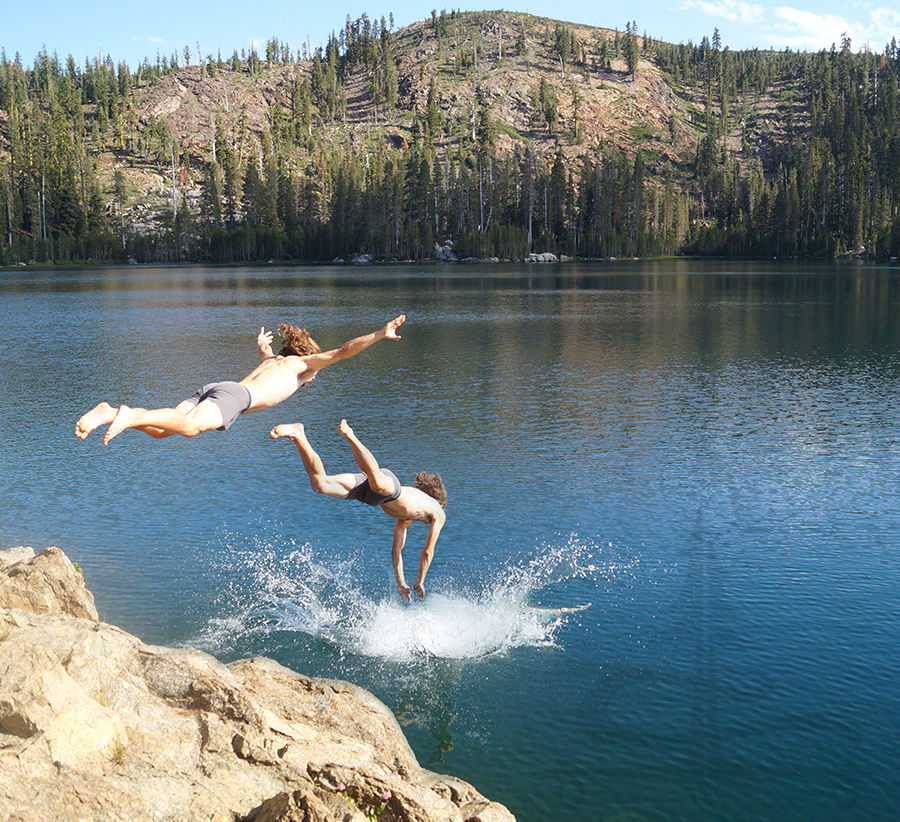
(504, 133)
(493, 60)
(95, 725)
(616, 109)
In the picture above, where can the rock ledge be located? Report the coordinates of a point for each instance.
(96, 725)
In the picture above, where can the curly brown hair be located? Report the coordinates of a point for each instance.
(297, 342)
(433, 485)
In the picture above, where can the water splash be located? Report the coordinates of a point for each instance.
(297, 589)
(445, 626)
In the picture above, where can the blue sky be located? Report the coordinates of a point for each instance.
(133, 31)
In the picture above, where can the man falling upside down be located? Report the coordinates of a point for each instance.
(379, 486)
(217, 405)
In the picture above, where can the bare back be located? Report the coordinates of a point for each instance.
(415, 505)
(275, 379)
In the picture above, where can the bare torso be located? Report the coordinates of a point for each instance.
(275, 379)
(415, 505)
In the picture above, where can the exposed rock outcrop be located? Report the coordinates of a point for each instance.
(47, 584)
(96, 725)
(445, 252)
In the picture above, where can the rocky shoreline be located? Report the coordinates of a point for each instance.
(96, 725)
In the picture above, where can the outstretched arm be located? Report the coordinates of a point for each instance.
(264, 344)
(428, 553)
(400, 529)
(355, 346)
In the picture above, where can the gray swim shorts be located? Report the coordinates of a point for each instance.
(231, 398)
(362, 493)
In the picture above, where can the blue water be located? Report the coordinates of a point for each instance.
(703, 458)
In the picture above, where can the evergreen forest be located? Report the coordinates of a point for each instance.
(494, 134)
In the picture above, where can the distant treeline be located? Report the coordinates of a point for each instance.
(830, 183)
(833, 183)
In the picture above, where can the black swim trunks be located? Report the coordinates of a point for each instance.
(362, 493)
(231, 398)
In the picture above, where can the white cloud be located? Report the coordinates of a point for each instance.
(885, 25)
(801, 29)
(735, 12)
(805, 29)
(797, 28)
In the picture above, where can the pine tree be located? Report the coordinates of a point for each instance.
(632, 48)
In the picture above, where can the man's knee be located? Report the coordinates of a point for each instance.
(192, 429)
(381, 484)
(319, 484)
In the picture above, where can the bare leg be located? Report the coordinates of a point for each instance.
(336, 485)
(379, 482)
(163, 422)
(124, 418)
(101, 414)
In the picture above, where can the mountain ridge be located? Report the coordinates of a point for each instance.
(694, 137)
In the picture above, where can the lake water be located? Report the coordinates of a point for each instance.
(708, 455)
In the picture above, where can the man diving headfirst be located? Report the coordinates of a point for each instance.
(379, 486)
(217, 405)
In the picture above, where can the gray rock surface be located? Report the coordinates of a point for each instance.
(96, 725)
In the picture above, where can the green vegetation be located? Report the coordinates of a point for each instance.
(790, 153)
(511, 131)
(372, 809)
(118, 753)
(829, 181)
(642, 133)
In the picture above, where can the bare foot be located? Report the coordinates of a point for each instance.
(420, 591)
(99, 415)
(404, 592)
(124, 417)
(287, 430)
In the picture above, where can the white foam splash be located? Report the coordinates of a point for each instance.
(447, 627)
(295, 591)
